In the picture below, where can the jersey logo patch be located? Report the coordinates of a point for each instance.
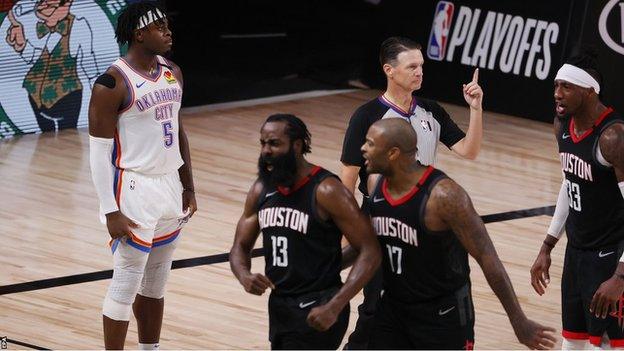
(270, 194)
(140, 85)
(565, 136)
(443, 312)
(601, 255)
(169, 77)
(304, 305)
(426, 125)
(378, 199)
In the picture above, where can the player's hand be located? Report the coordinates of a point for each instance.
(534, 335)
(119, 225)
(256, 283)
(322, 317)
(15, 34)
(189, 203)
(606, 297)
(473, 94)
(540, 278)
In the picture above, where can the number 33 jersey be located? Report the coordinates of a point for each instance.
(302, 252)
(596, 217)
(418, 264)
(146, 139)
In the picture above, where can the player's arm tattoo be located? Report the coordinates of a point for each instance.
(455, 208)
(612, 148)
(247, 231)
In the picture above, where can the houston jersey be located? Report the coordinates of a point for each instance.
(596, 217)
(146, 139)
(418, 264)
(302, 252)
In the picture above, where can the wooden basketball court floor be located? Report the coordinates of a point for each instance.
(54, 256)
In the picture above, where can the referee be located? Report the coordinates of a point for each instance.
(402, 62)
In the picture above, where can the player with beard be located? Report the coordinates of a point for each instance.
(426, 226)
(301, 209)
(590, 136)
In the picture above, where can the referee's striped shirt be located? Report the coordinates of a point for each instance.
(430, 121)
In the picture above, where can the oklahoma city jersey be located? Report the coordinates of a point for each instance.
(146, 139)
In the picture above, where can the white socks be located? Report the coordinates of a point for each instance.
(155, 346)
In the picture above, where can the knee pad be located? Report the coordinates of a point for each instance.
(154, 280)
(115, 310)
(157, 272)
(127, 275)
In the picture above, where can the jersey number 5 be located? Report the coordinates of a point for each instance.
(167, 133)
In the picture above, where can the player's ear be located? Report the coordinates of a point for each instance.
(393, 153)
(298, 146)
(138, 35)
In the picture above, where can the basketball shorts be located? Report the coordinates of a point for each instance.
(583, 272)
(443, 323)
(154, 202)
(288, 327)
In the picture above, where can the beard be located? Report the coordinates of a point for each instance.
(284, 170)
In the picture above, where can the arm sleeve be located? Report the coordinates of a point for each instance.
(102, 172)
(557, 224)
(450, 133)
(353, 140)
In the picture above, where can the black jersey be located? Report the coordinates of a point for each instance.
(430, 121)
(302, 252)
(418, 264)
(596, 217)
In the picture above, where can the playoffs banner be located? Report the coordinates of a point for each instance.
(518, 48)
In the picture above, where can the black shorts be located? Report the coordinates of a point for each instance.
(288, 328)
(583, 272)
(443, 323)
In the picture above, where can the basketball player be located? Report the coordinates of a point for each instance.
(426, 224)
(590, 136)
(146, 187)
(301, 209)
(402, 62)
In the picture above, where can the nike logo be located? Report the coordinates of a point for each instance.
(270, 194)
(140, 85)
(378, 199)
(442, 313)
(304, 305)
(601, 255)
(565, 136)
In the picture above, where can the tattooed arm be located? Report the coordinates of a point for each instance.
(449, 207)
(611, 144)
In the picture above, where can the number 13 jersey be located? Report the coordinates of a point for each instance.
(596, 216)
(302, 252)
(146, 139)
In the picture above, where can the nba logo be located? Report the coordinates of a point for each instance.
(438, 39)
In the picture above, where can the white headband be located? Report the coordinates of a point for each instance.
(150, 17)
(577, 76)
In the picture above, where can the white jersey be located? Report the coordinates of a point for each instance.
(146, 139)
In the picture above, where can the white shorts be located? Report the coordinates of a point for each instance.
(154, 202)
